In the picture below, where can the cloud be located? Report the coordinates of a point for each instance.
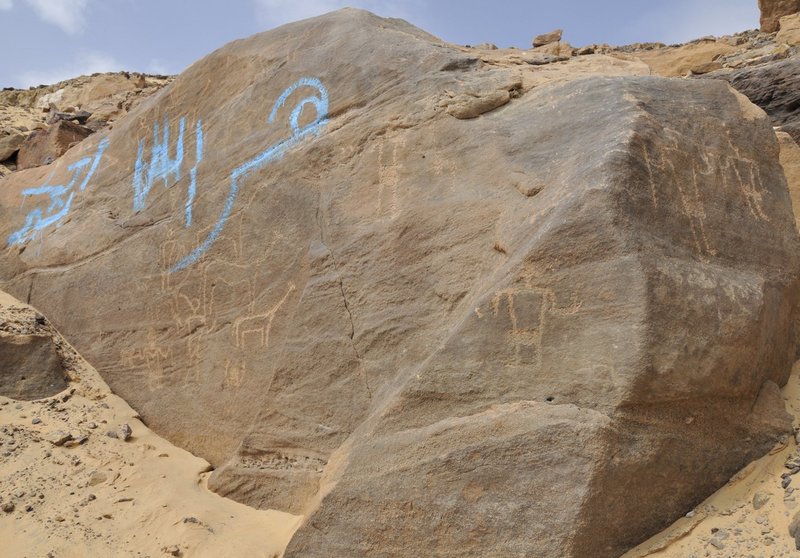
(272, 13)
(69, 15)
(6, 4)
(83, 64)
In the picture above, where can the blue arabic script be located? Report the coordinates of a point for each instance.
(60, 198)
(319, 100)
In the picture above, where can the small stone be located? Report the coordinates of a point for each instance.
(36, 420)
(76, 441)
(58, 438)
(172, 550)
(786, 482)
(719, 536)
(8, 507)
(112, 434)
(716, 543)
(91, 425)
(126, 431)
(760, 499)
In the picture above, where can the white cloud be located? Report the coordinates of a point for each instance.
(6, 4)
(69, 15)
(85, 63)
(271, 13)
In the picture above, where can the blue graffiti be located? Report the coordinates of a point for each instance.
(167, 167)
(60, 197)
(274, 153)
(193, 173)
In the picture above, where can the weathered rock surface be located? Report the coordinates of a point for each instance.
(9, 145)
(775, 87)
(94, 101)
(67, 490)
(45, 146)
(773, 10)
(30, 367)
(790, 160)
(790, 30)
(547, 38)
(359, 308)
(698, 58)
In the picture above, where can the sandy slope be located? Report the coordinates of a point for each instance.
(109, 497)
(728, 525)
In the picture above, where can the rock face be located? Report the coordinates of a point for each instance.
(321, 276)
(9, 145)
(773, 10)
(45, 146)
(696, 58)
(775, 87)
(790, 160)
(790, 30)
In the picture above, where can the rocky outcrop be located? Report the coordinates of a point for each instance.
(773, 10)
(322, 277)
(548, 38)
(790, 30)
(94, 101)
(9, 145)
(694, 58)
(775, 87)
(45, 146)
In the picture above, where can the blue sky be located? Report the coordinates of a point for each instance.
(44, 41)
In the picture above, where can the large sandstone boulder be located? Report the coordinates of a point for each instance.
(437, 310)
(773, 10)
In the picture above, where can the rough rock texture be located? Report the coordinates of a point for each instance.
(426, 341)
(69, 489)
(773, 10)
(548, 38)
(775, 87)
(697, 58)
(30, 367)
(790, 160)
(95, 100)
(9, 145)
(45, 146)
(790, 30)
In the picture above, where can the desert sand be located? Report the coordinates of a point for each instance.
(728, 524)
(103, 496)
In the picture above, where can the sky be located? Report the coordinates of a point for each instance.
(45, 41)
